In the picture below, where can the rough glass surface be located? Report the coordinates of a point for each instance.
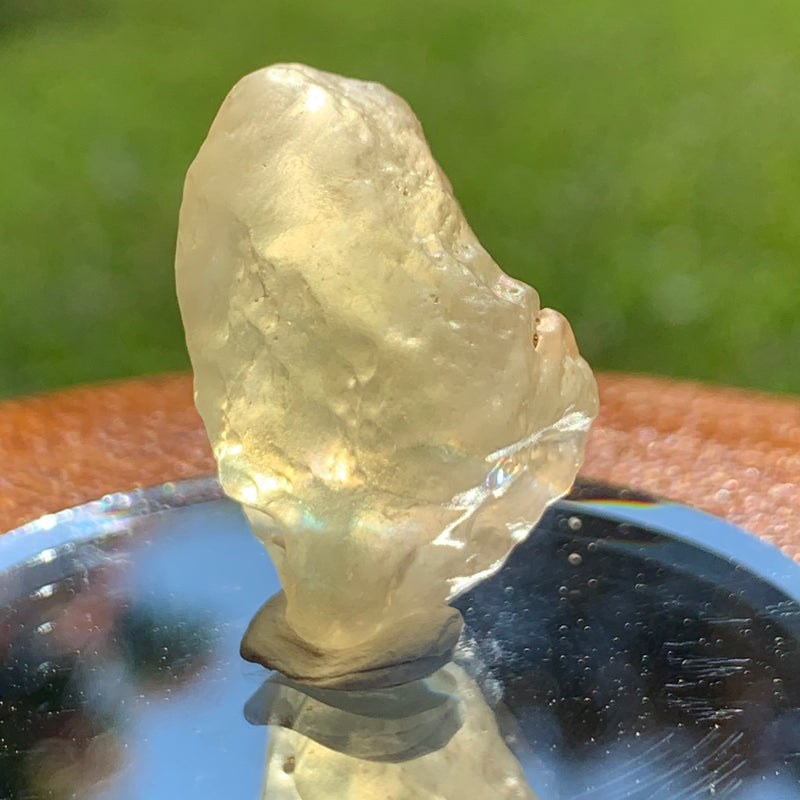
(392, 410)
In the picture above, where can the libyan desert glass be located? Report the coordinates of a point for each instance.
(626, 650)
(346, 329)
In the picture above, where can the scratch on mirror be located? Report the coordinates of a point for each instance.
(674, 767)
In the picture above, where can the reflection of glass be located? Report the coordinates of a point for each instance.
(435, 738)
(627, 650)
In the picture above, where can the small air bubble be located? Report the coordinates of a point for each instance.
(44, 591)
(575, 558)
(574, 523)
(46, 556)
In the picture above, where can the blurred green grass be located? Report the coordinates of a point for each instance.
(639, 163)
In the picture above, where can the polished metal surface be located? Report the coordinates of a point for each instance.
(628, 650)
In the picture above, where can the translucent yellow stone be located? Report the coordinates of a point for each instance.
(459, 751)
(392, 410)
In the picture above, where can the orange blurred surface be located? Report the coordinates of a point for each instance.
(733, 453)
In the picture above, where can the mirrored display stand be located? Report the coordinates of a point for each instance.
(628, 649)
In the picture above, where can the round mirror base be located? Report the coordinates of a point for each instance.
(628, 649)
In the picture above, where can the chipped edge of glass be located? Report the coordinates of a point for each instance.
(114, 513)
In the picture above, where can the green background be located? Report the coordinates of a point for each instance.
(638, 162)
